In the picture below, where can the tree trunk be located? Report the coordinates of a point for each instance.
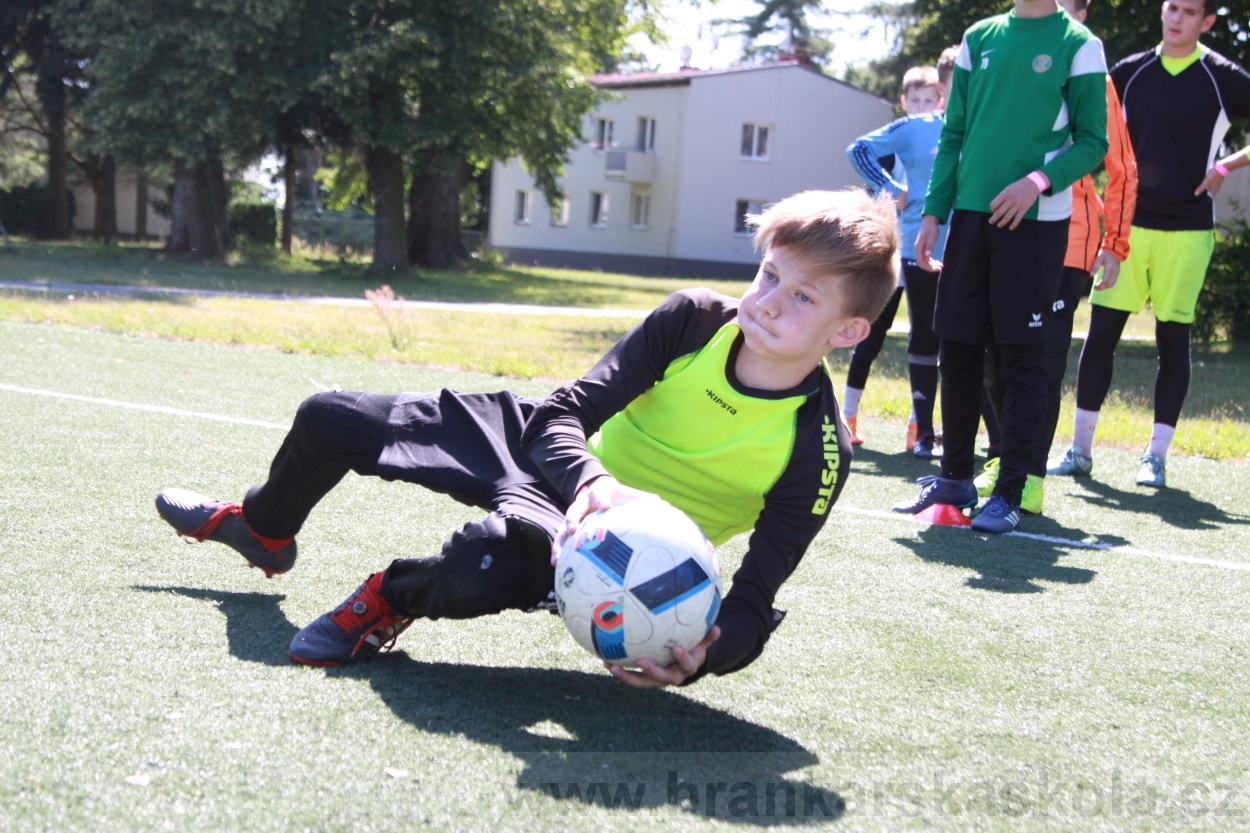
(219, 198)
(288, 204)
(178, 237)
(103, 179)
(310, 175)
(141, 206)
(56, 223)
(194, 228)
(434, 210)
(386, 180)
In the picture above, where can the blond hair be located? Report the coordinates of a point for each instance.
(847, 234)
(919, 78)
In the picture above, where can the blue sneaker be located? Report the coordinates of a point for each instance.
(1073, 464)
(355, 631)
(204, 519)
(1153, 471)
(934, 489)
(997, 516)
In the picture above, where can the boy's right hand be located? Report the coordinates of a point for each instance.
(594, 495)
(926, 239)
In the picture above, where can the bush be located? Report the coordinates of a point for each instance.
(22, 208)
(255, 222)
(1224, 305)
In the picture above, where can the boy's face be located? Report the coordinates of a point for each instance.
(920, 100)
(792, 314)
(1183, 22)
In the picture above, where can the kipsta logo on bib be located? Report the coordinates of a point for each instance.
(1042, 63)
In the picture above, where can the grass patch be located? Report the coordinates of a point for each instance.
(924, 679)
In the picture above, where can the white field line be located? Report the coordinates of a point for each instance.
(134, 406)
(1068, 542)
(892, 516)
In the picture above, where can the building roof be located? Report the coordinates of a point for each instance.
(682, 78)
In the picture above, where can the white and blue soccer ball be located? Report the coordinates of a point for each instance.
(637, 579)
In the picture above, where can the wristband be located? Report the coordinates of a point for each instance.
(1221, 168)
(1040, 181)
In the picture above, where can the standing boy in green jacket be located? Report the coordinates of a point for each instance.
(1027, 117)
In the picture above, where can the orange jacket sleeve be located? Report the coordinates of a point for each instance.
(1120, 199)
(1089, 213)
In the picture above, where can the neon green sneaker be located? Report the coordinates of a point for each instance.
(988, 478)
(1031, 497)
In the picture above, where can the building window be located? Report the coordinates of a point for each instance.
(560, 213)
(522, 214)
(639, 210)
(754, 141)
(646, 134)
(603, 134)
(744, 208)
(598, 209)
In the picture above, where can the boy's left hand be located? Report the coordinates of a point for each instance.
(594, 495)
(684, 664)
(1013, 202)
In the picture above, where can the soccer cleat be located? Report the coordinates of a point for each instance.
(852, 423)
(912, 430)
(355, 631)
(1073, 464)
(988, 478)
(933, 490)
(997, 516)
(1152, 471)
(926, 448)
(205, 519)
(1032, 496)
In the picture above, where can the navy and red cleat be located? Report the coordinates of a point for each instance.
(205, 519)
(355, 631)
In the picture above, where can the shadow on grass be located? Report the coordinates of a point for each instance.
(903, 464)
(1175, 507)
(1003, 564)
(583, 738)
(256, 628)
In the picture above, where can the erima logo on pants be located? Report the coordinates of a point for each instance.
(1037, 320)
(1058, 305)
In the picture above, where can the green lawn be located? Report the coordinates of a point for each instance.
(1088, 674)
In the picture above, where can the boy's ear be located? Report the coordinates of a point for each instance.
(850, 332)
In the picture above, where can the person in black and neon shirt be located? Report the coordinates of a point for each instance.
(723, 407)
(1179, 100)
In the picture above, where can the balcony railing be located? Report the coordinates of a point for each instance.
(629, 166)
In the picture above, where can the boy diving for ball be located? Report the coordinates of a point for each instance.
(725, 408)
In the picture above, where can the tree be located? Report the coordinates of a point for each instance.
(452, 85)
(790, 19)
(32, 44)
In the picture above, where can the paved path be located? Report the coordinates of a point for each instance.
(68, 289)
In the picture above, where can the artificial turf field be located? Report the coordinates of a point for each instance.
(925, 678)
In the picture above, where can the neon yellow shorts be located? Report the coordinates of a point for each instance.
(1166, 268)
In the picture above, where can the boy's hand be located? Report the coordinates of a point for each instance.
(600, 493)
(1110, 265)
(684, 664)
(1013, 202)
(900, 201)
(1212, 184)
(926, 239)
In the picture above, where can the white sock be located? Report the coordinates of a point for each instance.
(850, 402)
(1160, 439)
(1083, 431)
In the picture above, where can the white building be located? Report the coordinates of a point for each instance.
(672, 162)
